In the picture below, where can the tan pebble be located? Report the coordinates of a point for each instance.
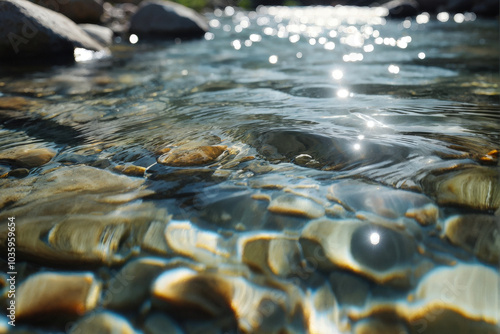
(475, 187)
(28, 157)
(102, 323)
(130, 170)
(130, 286)
(478, 234)
(296, 206)
(222, 173)
(191, 156)
(54, 293)
(425, 216)
(377, 326)
(203, 246)
(336, 210)
(13, 103)
(261, 197)
(154, 239)
(163, 150)
(158, 323)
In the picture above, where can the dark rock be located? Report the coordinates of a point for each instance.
(101, 34)
(80, 11)
(31, 31)
(167, 20)
(402, 8)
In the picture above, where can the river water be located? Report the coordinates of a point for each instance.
(316, 169)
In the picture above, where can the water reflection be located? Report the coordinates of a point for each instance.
(274, 131)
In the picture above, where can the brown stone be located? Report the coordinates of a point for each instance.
(191, 156)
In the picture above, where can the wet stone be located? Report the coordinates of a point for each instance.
(377, 326)
(14, 103)
(478, 234)
(191, 156)
(185, 292)
(380, 248)
(271, 253)
(48, 293)
(130, 286)
(477, 188)
(158, 323)
(103, 322)
(130, 170)
(57, 226)
(204, 246)
(19, 172)
(385, 202)
(296, 206)
(27, 156)
(373, 251)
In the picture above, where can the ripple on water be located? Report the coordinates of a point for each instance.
(326, 170)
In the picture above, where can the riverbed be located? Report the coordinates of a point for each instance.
(297, 170)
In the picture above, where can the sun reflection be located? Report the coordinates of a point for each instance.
(370, 124)
(236, 44)
(421, 55)
(459, 18)
(374, 238)
(368, 48)
(337, 74)
(422, 18)
(443, 17)
(357, 147)
(133, 39)
(273, 59)
(343, 93)
(393, 69)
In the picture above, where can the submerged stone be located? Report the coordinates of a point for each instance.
(78, 214)
(296, 206)
(52, 294)
(27, 156)
(386, 202)
(270, 253)
(102, 322)
(478, 234)
(458, 299)
(187, 239)
(477, 188)
(14, 103)
(381, 254)
(191, 156)
(158, 323)
(185, 292)
(130, 286)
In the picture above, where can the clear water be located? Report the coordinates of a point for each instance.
(317, 95)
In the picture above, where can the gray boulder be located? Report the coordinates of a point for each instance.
(103, 35)
(167, 20)
(80, 11)
(31, 31)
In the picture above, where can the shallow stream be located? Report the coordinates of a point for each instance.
(298, 170)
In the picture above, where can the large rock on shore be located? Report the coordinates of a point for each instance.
(80, 11)
(31, 31)
(167, 20)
